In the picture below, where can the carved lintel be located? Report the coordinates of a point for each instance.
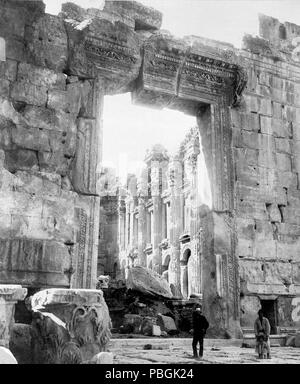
(174, 75)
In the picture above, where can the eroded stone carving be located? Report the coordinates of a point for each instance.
(69, 326)
(103, 282)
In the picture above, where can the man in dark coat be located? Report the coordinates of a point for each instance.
(200, 325)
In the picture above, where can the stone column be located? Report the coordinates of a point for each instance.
(85, 175)
(122, 213)
(69, 326)
(127, 212)
(194, 265)
(131, 227)
(157, 216)
(9, 295)
(142, 232)
(175, 184)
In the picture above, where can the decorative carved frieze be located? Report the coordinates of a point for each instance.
(182, 74)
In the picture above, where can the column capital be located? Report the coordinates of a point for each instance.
(9, 295)
(79, 321)
(13, 293)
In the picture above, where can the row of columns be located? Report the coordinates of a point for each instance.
(143, 213)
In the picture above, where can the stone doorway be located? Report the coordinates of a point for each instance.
(200, 78)
(270, 311)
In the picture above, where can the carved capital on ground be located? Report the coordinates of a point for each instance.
(69, 326)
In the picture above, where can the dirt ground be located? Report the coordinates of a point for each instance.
(179, 351)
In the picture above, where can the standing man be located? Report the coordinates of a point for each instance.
(262, 333)
(200, 325)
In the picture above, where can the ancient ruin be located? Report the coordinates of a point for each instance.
(241, 254)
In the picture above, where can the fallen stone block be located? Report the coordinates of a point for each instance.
(147, 324)
(156, 331)
(297, 340)
(133, 320)
(166, 323)
(146, 281)
(20, 343)
(290, 341)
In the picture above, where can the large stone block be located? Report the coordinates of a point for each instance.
(246, 156)
(46, 42)
(278, 273)
(78, 322)
(283, 162)
(265, 107)
(53, 120)
(251, 271)
(291, 215)
(133, 321)
(275, 127)
(265, 249)
(266, 158)
(245, 121)
(245, 228)
(4, 88)
(252, 103)
(166, 323)
(288, 250)
(8, 69)
(12, 21)
(42, 77)
(34, 262)
(263, 230)
(283, 145)
(20, 343)
(30, 138)
(251, 209)
(15, 49)
(29, 93)
(244, 247)
(146, 281)
(19, 159)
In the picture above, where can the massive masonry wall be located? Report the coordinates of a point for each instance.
(266, 134)
(43, 211)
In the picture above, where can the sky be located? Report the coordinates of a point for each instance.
(129, 130)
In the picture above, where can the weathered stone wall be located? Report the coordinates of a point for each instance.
(266, 135)
(43, 113)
